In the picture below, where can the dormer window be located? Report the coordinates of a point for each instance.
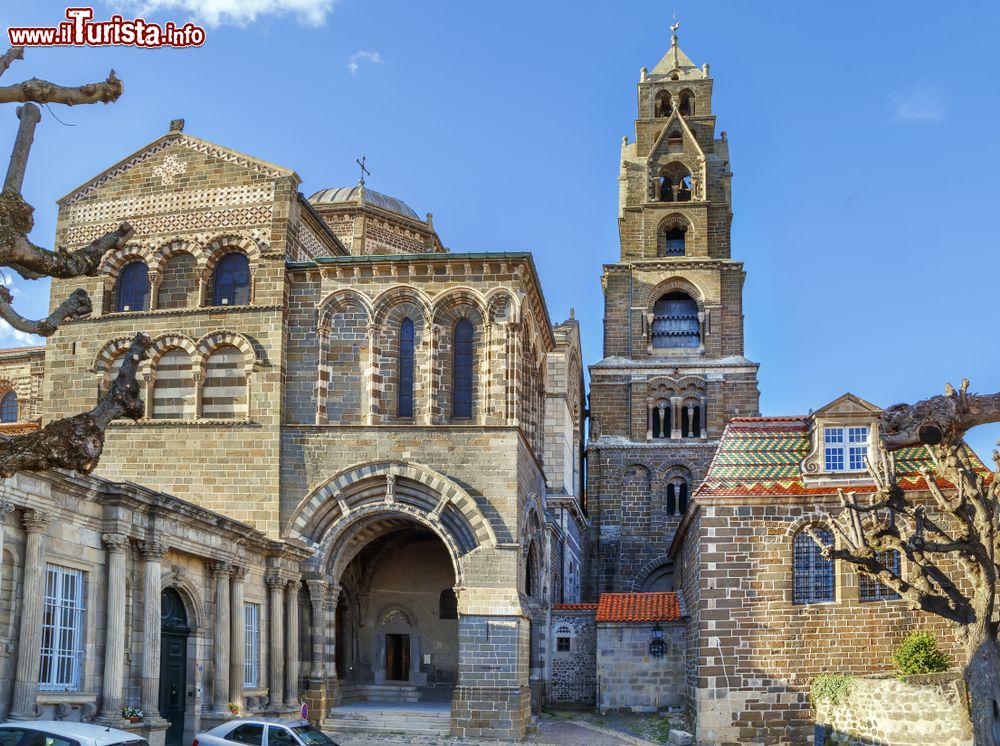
(845, 448)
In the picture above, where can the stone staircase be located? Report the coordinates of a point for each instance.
(412, 718)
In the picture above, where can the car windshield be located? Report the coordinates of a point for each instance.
(130, 742)
(312, 737)
(27, 737)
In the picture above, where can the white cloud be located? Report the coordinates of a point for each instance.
(918, 104)
(11, 337)
(237, 12)
(362, 56)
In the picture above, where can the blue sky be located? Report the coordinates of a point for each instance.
(862, 138)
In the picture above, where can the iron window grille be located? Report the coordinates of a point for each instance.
(251, 645)
(812, 573)
(869, 588)
(62, 630)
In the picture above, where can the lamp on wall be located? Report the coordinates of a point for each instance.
(657, 646)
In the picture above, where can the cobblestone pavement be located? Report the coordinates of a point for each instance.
(551, 732)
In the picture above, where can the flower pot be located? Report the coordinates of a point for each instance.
(134, 719)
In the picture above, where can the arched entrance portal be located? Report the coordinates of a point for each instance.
(396, 639)
(174, 633)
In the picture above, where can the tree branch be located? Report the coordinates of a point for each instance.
(75, 443)
(74, 307)
(44, 92)
(938, 419)
(8, 57)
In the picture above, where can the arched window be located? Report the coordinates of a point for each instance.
(231, 280)
(675, 322)
(224, 394)
(529, 573)
(405, 402)
(813, 578)
(8, 407)
(686, 106)
(661, 419)
(179, 286)
(448, 604)
(173, 386)
(672, 242)
(690, 420)
(677, 497)
(684, 190)
(133, 288)
(663, 106)
(869, 588)
(462, 370)
(665, 189)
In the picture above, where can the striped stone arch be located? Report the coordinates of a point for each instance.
(391, 297)
(218, 247)
(160, 256)
(108, 353)
(672, 284)
(117, 259)
(7, 385)
(364, 489)
(502, 305)
(677, 220)
(456, 298)
(166, 342)
(337, 300)
(213, 340)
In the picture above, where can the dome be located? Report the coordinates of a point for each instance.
(351, 195)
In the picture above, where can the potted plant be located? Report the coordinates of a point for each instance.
(132, 713)
(234, 709)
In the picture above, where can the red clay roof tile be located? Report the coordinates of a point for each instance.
(638, 607)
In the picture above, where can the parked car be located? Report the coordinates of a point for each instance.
(263, 732)
(63, 733)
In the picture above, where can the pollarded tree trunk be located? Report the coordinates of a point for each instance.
(982, 675)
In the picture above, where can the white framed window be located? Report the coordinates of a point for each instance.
(845, 448)
(251, 645)
(62, 630)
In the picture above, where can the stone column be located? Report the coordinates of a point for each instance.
(664, 431)
(675, 417)
(292, 646)
(6, 509)
(114, 633)
(330, 633)
(649, 420)
(220, 693)
(237, 635)
(152, 553)
(276, 657)
(316, 696)
(690, 411)
(29, 641)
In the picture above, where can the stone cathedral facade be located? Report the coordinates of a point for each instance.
(362, 471)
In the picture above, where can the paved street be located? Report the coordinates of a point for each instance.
(551, 732)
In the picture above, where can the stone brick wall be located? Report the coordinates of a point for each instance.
(573, 677)
(757, 651)
(22, 371)
(629, 679)
(922, 710)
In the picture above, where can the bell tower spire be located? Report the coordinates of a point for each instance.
(674, 370)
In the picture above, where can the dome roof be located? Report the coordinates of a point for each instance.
(351, 195)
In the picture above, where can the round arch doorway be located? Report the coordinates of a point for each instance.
(174, 632)
(397, 620)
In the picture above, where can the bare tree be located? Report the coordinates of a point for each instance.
(75, 442)
(951, 550)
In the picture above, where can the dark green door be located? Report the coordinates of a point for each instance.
(173, 665)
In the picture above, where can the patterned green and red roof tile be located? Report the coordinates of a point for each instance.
(763, 456)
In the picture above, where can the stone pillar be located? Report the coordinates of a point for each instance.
(114, 633)
(237, 635)
(292, 646)
(690, 411)
(664, 431)
(6, 509)
(220, 692)
(330, 648)
(649, 420)
(675, 417)
(316, 695)
(276, 657)
(152, 553)
(29, 641)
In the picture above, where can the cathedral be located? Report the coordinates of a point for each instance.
(364, 472)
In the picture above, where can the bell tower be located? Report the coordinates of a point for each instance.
(673, 371)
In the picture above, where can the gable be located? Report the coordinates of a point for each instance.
(692, 151)
(847, 405)
(175, 161)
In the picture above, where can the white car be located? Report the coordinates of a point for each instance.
(63, 733)
(263, 732)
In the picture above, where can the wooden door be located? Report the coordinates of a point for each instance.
(397, 657)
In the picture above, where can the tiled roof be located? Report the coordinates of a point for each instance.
(18, 428)
(352, 195)
(574, 607)
(763, 456)
(638, 607)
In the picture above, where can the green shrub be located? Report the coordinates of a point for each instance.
(919, 653)
(831, 687)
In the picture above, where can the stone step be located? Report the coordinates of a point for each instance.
(390, 718)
